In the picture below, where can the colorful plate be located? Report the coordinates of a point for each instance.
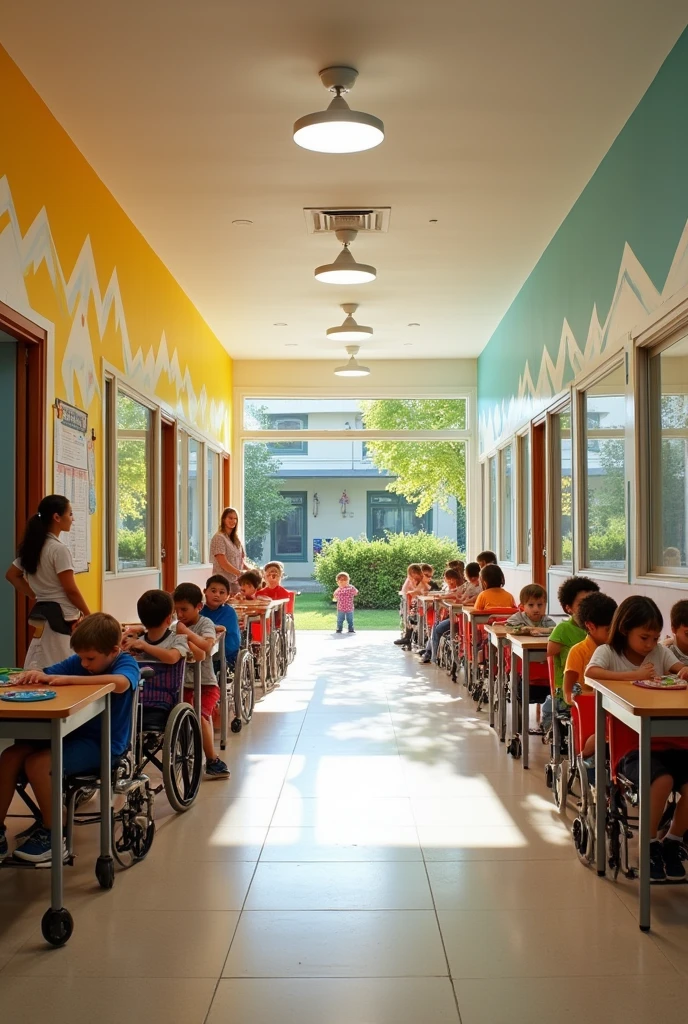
(666, 683)
(27, 696)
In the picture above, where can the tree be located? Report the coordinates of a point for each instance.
(426, 471)
(263, 502)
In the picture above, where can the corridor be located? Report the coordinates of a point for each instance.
(376, 858)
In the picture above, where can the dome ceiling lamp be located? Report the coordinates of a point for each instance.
(339, 129)
(345, 269)
(350, 330)
(352, 368)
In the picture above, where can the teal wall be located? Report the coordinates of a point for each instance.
(637, 197)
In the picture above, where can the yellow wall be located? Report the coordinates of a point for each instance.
(70, 256)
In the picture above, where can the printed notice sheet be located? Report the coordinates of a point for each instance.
(71, 477)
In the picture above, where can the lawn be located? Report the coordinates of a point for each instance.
(314, 611)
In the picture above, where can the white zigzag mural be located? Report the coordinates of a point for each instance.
(20, 253)
(634, 296)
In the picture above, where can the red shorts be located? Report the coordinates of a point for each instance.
(210, 698)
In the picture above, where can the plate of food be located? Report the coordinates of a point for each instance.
(531, 630)
(662, 683)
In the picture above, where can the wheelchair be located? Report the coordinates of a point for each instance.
(561, 770)
(289, 627)
(170, 734)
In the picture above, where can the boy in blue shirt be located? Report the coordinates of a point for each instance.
(97, 659)
(222, 614)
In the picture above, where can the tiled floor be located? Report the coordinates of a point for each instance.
(377, 858)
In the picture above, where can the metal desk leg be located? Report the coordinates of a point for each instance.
(501, 689)
(105, 796)
(525, 705)
(490, 681)
(644, 824)
(224, 714)
(600, 784)
(57, 845)
(474, 648)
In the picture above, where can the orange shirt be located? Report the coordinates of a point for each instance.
(494, 597)
(578, 658)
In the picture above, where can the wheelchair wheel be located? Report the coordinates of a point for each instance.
(560, 784)
(291, 640)
(583, 840)
(182, 757)
(275, 657)
(244, 686)
(133, 828)
(514, 747)
(57, 926)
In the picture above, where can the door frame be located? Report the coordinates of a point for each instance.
(30, 458)
(538, 501)
(169, 555)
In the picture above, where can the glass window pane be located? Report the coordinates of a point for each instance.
(669, 457)
(180, 493)
(193, 510)
(604, 418)
(493, 504)
(526, 519)
(507, 552)
(355, 414)
(561, 490)
(133, 483)
(289, 534)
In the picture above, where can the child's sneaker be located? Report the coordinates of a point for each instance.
(674, 854)
(4, 848)
(657, 869)
(216, 769)
(37, 848)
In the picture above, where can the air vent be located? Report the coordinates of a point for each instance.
(319, 220)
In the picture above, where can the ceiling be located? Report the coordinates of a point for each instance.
(496, 115)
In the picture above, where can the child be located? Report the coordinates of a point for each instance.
(486, 558)
(249, 584)
(273, 573)
(460, 567)
(452, 582)
(566, 634)
(493, 594)
(427, 571)
(471, 588)
(533, 600)
(413, 584)
(595, 612)
(201, 638)
(679, 628)
(159, 641)
(97, 658)
(633, 652)
(222, 614)
(344, 596)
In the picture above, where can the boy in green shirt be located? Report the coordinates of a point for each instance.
(565, 635)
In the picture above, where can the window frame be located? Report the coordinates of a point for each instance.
(303, 554)
(524, 489)
(554, 539)
(298, 447)
(400, 504)
(501, 503)
(188, 434)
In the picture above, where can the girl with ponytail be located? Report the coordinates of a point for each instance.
(44, 572)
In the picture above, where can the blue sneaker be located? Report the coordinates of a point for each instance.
(4, 848)
(37, 849)
(216, 769)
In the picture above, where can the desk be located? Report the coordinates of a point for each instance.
(497, 636)
(529, 649)
(649, 713)
(425, 601)
(455, 608)
(53, 720)
(474, 619)
(262, 612)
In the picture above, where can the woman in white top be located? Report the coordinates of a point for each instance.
(44, 572)
(227, 551)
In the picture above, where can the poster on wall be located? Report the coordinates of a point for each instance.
(71, 477)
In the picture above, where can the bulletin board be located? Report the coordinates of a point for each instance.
(73, 464)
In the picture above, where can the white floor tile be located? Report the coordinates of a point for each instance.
(340, 886)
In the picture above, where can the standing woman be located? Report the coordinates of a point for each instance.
(44, 571)
(227, 551)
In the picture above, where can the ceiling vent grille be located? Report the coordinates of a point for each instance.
(320, 220)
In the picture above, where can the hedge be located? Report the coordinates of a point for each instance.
(378, 567)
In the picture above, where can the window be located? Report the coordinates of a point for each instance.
(134, 490)
(289, 534)
(668, 421)
(213, 493)
(194, 500)
(388, 512)
(561, 487)
(280, 421)
(354, 414)
(526, 524)
(180, 495)
(492, 540)
(507, 532)
(604, 409)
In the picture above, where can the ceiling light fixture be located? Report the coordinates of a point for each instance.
(280, 323)
(339, 129)
(345, 269)
(353, 368)
(241, 222)
(349, 330)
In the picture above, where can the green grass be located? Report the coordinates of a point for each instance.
(314, 611)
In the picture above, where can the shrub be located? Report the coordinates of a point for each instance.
(131, 544)
(378, 567)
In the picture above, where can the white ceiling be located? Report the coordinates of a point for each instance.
(496, 116)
